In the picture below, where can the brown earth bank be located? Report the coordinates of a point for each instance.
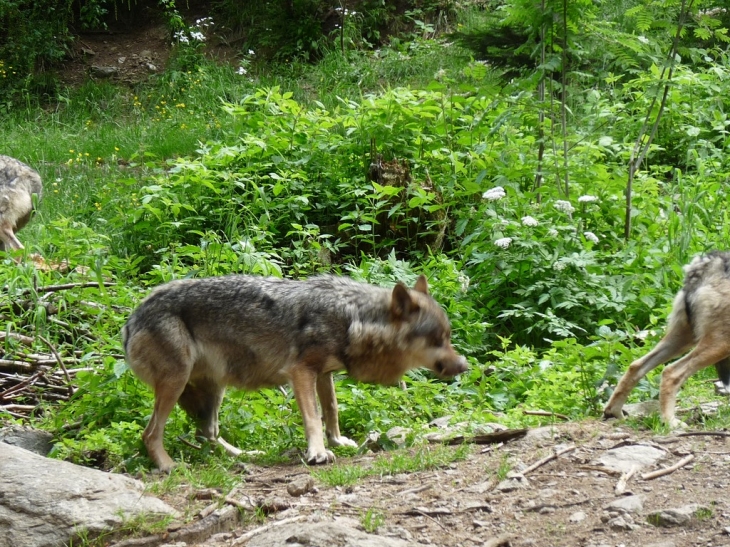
(598, 491)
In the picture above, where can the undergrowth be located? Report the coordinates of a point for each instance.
(419, 160)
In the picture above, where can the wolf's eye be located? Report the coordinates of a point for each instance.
(437, 339)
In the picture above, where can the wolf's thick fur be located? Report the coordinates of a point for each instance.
(701, 318)
(189, 339)
(18, 183)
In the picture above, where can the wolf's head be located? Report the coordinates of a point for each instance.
(427, 330)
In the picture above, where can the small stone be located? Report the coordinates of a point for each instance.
(580, 516)
(398, 435)
(518, 482)
(627, 504)
(680, 516)
(300, 486)
(104, 71)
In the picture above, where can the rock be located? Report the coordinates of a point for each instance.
(541, 435)
(643, 409)
(517, 482)
(625, 458)
(680, 516)
(398, 435)
(321, 534)
(442, 422)
(300, 486)
(31, 439)
(623, 523)
(47, 503)
(627, 504)
(104, 71)
(580, 516)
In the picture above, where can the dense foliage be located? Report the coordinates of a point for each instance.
(510, 193)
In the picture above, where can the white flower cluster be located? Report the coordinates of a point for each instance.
(204, 22)
(242, 71)
(590, 236)
(587, 199)
(182, 37)
(494, 194)
(564, 206)
(464, 282)
(503, 242)
(529, 221)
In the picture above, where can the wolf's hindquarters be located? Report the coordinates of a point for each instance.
(18, 183)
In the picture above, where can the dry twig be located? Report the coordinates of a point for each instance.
(546, 413)
(547, 459)
(667, 470)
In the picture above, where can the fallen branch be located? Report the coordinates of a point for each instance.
(488, 438)
(547, 459)
(703, 434)
(60, 364)
(624, 480)
(667, 470)
(546, 413)
(65, 286)
(26, 340)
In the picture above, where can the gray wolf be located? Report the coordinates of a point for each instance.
(18, 183)
(189, 339)
(700, 318)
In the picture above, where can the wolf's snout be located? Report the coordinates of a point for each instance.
(451, 368)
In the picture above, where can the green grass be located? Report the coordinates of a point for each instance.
(402, 461)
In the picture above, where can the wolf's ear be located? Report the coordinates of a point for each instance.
(401, 303)
(421, 284)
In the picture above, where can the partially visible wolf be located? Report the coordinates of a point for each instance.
(701, 318)
(189, 339)
(18, 183)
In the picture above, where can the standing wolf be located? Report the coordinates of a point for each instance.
(189, 339)
(701, 318)
(18, 183)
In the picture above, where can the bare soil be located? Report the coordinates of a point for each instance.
(561, 502)
(134, 54)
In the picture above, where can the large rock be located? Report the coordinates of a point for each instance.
(48, 503)
(634, 456)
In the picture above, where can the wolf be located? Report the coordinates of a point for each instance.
(700, 318)
(18, 183)
(191, 338)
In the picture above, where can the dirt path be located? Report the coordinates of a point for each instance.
(491, 499)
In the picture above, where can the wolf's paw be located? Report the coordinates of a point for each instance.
(318, 457)
(617, 413)
(675, 423)
(341, 441)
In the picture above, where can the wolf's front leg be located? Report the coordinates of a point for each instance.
(303, 381)
(328, 402)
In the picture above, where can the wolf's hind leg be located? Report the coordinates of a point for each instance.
(201, 400)
(166, 395)
(678, 339)
(711, 349)
(328, 402)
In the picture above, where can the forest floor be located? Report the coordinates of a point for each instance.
(596, 492)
